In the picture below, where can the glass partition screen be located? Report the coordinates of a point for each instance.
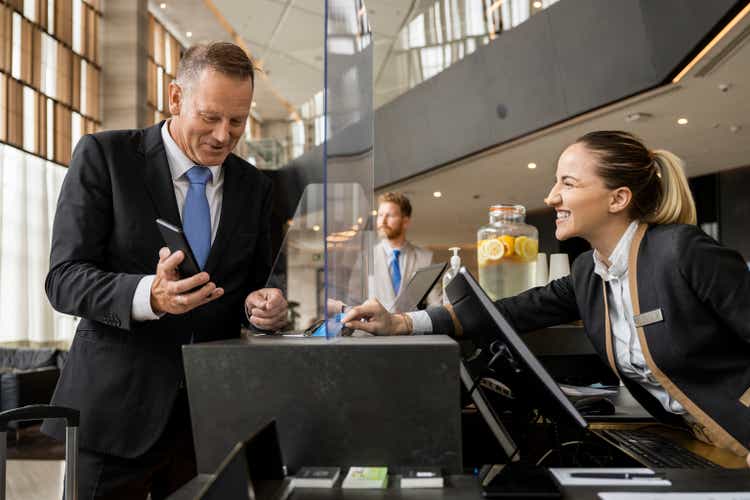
(325, 260)
(348, 157)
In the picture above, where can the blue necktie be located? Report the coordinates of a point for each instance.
(396, 274)
(196, 216)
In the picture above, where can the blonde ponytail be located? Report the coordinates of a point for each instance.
(676, 205)
(661, 194)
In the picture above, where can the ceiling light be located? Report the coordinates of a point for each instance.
(532, 165)
(537, 5)
(189, 34)
(437, 194)
(682, 121)
(316, 228)
(163, 5)
(374, 213)
(359, 220)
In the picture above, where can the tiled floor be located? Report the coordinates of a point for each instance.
(35, 479)
(35, 468)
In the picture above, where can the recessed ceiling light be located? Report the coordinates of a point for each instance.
(316, 228)
(374, 213)
(437, 194)
(537, 5)
(189, 34)
(163, 5)
(532, 165)
(682, 121)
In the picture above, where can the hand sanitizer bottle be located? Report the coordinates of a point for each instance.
(451, 272)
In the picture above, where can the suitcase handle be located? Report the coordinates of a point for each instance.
(38, 412)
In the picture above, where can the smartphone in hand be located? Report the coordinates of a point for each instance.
(175, 240)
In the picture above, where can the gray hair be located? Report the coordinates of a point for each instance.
(224, 57)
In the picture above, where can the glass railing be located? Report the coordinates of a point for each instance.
(442, 32)
(266, 154)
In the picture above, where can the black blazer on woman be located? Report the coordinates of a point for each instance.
(124, 375)
(699, 352)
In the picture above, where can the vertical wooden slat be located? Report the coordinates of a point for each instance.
(6, 34)
(64, 73)
(41, 125)
(62, 134)
(26, 50)
(41, 13)
(15, 112)
(36, 58)
(3, 108)
(75, 97)
(93, 92)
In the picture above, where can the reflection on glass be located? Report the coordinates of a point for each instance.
(325, 258)
(441, 33)
(348, 148)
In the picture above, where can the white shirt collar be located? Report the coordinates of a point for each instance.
(178, 161)
(389, 249)
(619, 257)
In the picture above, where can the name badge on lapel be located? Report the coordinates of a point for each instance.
(648, 318)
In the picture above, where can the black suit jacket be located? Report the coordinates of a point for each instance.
(121, 374)
(699, 352)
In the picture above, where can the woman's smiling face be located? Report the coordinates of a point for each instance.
(579, 196)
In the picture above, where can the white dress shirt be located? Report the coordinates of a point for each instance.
(627, 345)
(179, 164)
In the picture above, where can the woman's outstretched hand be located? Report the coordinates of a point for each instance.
(372, 317)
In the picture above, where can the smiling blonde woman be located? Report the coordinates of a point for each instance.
(687, 361)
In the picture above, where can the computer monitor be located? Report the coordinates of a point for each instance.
(527, 378)
(488, 413)
(418, 287)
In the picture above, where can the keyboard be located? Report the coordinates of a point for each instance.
(653, 450)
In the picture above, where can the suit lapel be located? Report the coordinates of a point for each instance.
(157, 176)
(231, 206)
(410, 263)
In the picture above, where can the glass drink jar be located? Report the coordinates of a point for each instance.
(507, 249)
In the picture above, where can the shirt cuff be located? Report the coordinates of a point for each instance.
(141, 308)
(421, 322)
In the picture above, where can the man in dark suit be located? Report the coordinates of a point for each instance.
(124, 372)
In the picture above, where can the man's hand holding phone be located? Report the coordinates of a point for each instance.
(170, 294)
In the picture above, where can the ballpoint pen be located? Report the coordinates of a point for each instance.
(616, 475)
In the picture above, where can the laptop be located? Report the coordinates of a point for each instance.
(416, 290)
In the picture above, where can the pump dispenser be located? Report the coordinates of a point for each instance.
(451, 272)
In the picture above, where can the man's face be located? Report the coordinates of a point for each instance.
(391, 223)
(210, 116)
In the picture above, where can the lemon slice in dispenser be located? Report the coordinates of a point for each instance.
(491, 249)
(527, 248)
